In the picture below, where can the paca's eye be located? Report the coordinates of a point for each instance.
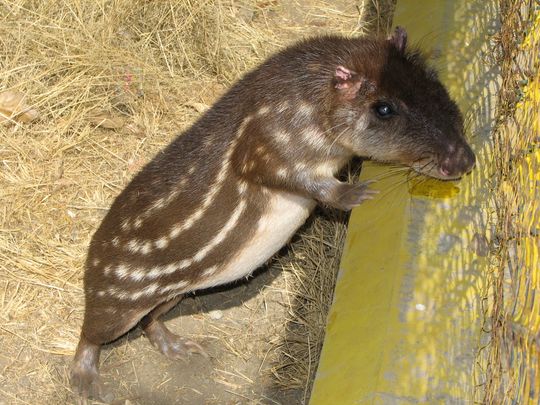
(383, 110)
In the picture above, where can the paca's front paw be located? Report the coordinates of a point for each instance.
(347, 196)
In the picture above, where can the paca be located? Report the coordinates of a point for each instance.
(228, 193)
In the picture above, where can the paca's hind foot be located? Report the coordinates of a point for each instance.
(171, 345)
(84, 376)
(87, 384)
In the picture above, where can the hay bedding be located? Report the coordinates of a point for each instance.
(89, 92)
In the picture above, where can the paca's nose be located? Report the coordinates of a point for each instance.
(459, 161)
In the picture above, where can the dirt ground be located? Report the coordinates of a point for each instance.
(61, 171)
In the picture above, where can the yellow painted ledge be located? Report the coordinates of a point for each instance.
(405, 325)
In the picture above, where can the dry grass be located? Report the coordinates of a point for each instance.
(112, 82)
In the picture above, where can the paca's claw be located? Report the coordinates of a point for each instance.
(171, 345)
(88, 385)
(193, 347)
(349, 196)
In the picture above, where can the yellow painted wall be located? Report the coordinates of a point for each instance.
(405, 325)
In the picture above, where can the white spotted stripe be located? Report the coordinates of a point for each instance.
(282, 172)
(122, 271)
(282, 137)
(223, 233)
(315, 138)
(161, 243)
(163, 202)
(164, 270)
(137, 246)
(115, 292)
(145, 247)
(125, 225)
(107, 269)
(305, 110)
(209, 271)
(153, 288)
(282, 107)
(263, 110)
(137, 275)
(180, 227)
(174, 286)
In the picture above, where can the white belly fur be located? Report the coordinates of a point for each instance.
(285, 214)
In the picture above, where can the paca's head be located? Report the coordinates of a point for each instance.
(396, 110)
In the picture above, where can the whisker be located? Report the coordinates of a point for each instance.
(335, 140)
(386, 175)
(389, 190)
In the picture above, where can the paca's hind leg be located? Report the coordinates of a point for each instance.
(100, 326)
(163, 339)
(85, 372)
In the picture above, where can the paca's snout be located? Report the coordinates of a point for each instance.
(458, 161)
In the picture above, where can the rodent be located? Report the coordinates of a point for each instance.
(230, 191)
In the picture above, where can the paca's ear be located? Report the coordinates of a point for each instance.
(399, 39)
(347, 81)
(344, 78)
